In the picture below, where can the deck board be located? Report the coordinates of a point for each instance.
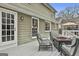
(29, 49)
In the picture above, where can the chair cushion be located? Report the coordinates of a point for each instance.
(69, 50)
(45, 42)
(45, 38)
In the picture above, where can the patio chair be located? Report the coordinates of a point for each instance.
(70, 50)
(44, 42)
(53, 39)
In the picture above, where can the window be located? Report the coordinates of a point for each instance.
(7, 27)
(34, 26)
(47, 26)
(52, 15)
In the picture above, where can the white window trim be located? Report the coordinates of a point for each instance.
(50, 27)
(33, 37)
(15, 20)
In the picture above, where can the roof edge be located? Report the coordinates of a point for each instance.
(49, 6)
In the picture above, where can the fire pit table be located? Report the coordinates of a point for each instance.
(62, 40)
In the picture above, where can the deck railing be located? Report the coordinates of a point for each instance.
(70, 33)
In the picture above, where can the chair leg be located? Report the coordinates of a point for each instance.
(39, 48)
(51, 48)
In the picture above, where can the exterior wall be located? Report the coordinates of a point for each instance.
(37, 6)
(43, 10)
(24, 29)
(57, 26)
(36, 9)
(42, 28)
(54, 27)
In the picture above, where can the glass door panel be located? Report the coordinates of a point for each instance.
(7, 27)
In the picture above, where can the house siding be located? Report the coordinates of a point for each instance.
(24, 29)
(41, 9)
(42, 28)
(34, 9)
(54, 27)
(38, 7)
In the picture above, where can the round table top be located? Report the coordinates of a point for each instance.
(61, 38)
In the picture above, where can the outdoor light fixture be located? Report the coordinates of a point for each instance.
(21, 18)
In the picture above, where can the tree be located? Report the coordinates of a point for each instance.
(69, 12)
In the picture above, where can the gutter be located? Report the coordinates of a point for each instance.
(49, 7)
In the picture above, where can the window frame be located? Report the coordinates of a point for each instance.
(37, 25)
(48, 25)
(15, 28)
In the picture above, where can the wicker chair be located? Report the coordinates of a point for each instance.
(53, 39)
(44, 43)
(67, 50)
(70, 50)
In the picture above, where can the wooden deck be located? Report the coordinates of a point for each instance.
(31, 49)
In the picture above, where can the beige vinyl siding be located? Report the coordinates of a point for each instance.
(42, 28)
(25, 26)
(52, 26)
(24, 29)
(56, 27)
(37, 9)
(40, 7)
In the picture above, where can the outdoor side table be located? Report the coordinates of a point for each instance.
(62, 40)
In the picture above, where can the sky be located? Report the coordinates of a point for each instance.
(61, 6)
